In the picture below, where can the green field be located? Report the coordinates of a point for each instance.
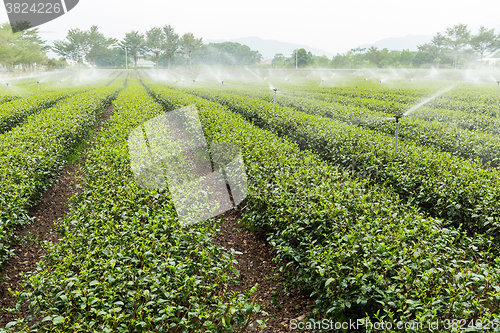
(368, 231)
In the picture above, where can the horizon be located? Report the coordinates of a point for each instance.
(278, 21)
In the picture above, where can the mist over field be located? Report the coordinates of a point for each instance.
(151, 181)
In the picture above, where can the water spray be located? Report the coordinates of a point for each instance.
(410, 111)
(274, 102)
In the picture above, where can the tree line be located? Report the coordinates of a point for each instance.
(160, 44)
(23, 49)
(457, 47)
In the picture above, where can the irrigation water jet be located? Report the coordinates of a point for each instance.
(410, 111)
(439, 93)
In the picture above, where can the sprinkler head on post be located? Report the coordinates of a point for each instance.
(274, 101)
(398, 116)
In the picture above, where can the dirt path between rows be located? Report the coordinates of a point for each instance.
(28, 252)
(256, 265)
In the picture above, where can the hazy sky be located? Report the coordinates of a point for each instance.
(334, 26)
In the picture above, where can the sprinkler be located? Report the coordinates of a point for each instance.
(194, 81)
(498, 83)
(222, 86)
(6, 91)
(38, 84)
(397, 116)
(274, 102)
(380, 84)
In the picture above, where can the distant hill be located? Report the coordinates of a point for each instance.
(268, 48)
(408, 42)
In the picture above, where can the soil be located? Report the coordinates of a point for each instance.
(255, 264)
(28, 252)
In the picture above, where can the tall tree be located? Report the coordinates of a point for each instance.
(485, 41)
(155, 39)
(33, 37)
(171, 43)
(376, 56)
(435, 49)
(190, 44)
(457, 37)
(21, 48)
(135, 44)
(113, 57)
(9, 50)
(301, 57)
(227, 53)
(98, 44)
(76, 46)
